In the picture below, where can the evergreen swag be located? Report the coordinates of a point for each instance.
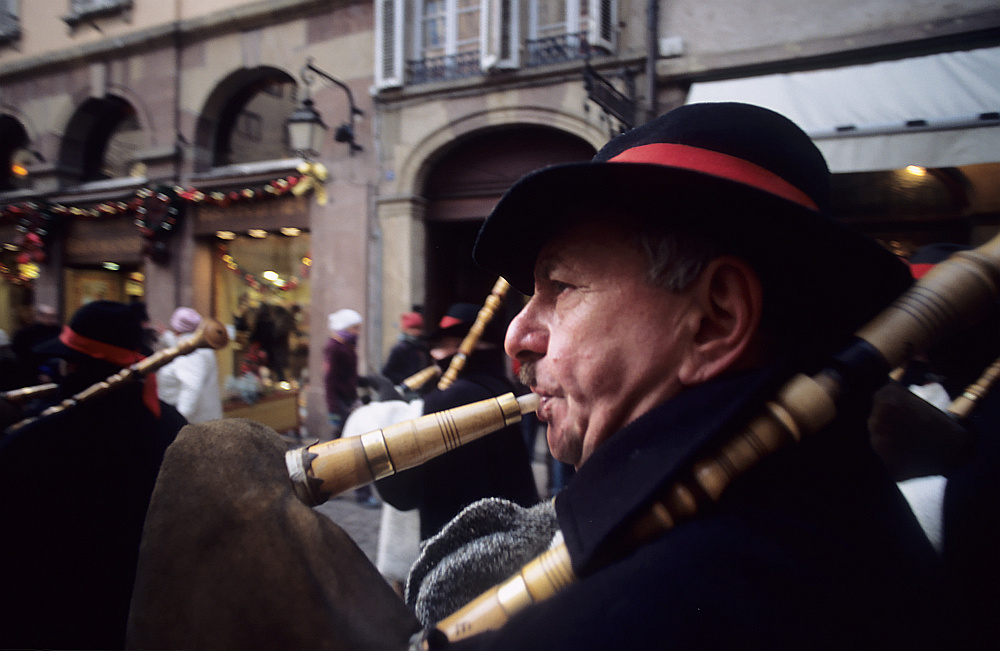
(157, 212)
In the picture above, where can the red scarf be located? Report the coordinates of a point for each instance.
(116, 355)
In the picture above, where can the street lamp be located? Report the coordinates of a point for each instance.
(305, 126)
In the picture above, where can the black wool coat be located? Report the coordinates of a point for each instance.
(813, 548)
(74, 489)
(496, 465)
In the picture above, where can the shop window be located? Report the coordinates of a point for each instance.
(261, 289)
(108, 282)
(251, 126)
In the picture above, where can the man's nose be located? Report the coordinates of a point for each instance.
(526, 337)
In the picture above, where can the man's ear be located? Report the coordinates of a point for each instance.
(728, 299)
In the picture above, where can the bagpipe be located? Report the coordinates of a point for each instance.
(945, 299)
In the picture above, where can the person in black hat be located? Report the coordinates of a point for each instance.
(676, 281)
(33, 369)
(74, 488)
(495, 466)
(409, 355)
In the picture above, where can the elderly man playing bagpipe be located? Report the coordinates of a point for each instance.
(687, 288)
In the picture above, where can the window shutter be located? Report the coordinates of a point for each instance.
(388, 43)
(603, 19)
(499, 37)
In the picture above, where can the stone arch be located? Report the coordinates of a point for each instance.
(142, 111)
(414, 169)
(462, 183)
(13, 136)
(87, 135)
(222, 107)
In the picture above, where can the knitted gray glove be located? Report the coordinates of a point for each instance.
(485, 544)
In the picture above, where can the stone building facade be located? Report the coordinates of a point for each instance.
(456, 99)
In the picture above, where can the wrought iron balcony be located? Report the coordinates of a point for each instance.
(556, 49)
(452, 66)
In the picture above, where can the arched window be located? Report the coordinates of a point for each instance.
(102, 139)
(250, 120)
(13, 153)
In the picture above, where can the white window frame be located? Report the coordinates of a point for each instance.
(389, 43)
(602, 28)
(600, 13)
(500, 42)
(450, 28)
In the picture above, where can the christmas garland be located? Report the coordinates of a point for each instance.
(252, 281)
(157, 212)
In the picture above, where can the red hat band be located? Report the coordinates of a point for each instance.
(717, 164)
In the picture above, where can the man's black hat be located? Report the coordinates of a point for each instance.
(742, 174)
(459, 319)
(104, 330)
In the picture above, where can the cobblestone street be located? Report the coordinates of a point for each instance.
(360, 523)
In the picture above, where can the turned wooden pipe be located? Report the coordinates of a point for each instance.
(412, 385)
(485, 315)
(30, 393)
(963, 405)
(210, 334)
(321, 471)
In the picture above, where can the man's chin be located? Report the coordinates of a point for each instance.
(562, 449)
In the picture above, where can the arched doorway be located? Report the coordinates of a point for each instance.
(461, 190)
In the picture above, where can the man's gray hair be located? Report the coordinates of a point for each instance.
(675, 258)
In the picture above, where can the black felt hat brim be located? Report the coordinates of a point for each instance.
(831, 276)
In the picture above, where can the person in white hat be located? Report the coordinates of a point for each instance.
(340, 366)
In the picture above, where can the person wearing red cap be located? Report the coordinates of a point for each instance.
(494, 466)
(409, 355)
(74, 488)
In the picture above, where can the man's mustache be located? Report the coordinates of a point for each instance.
(527, 374)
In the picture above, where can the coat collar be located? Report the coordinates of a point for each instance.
(624, 473)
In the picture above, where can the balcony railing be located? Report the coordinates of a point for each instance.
(540, 52)
(556, 49)
(452, 66)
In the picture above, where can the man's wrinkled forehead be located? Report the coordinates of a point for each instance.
(569, 247)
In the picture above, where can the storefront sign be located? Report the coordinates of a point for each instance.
(269, 215)
(94, 242)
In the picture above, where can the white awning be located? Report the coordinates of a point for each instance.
(939, 110)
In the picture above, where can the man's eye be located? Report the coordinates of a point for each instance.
(558, 287)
